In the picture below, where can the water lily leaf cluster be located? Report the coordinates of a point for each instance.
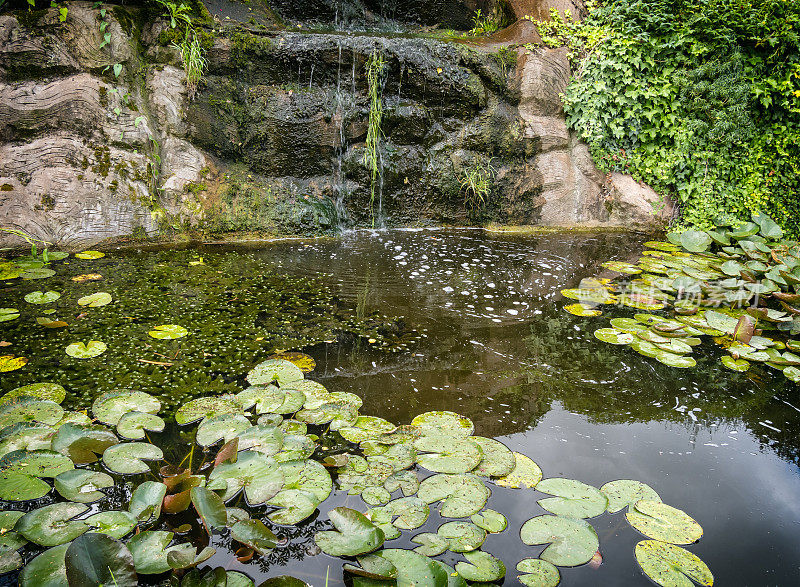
(739, 285)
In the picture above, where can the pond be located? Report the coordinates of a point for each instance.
(463, 320)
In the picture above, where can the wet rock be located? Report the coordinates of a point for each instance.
(636, 205)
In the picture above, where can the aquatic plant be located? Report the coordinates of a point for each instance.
(738, 285)
(476, 185)
(374, 70)
(276, 461)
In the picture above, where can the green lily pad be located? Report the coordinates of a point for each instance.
(38, 297)
(792, 374)
(259, 476)
(375, 496)
(430, 544)
(673, 360)
(366, 428)
(446, 454)
(540, 573)
(408, 512)
(482, 566)
(132, 425)
(305, 362)
(168, 332)
(89, 350)
(128, 458)
(95, 300)
(406, 481)
(255, 534)
(267, 440)
(283, 372)
(8, 314)
(186, 556)
(37, 273)
(225, 427)
(490, 520)
(336, 414)
(526, 473)
(620, 267)
(26, 409)
(53, 524)
(414, 570)
(296, 506)
(204, 407)
(662, 522)
(295, 448)
(82, 486)
(111, 406)
(598, 295)
(695, 241)
(444, 422)
(42, 391)
(150, 550)
(462, 536)
(83, 442)
(583, 310)
(575, 499)
(355, 534)
(739, 365)
(21, 472)
(210, 508)
(146, 501)
(98, 559)
(571, 542)
(623, 493)
(306, 484)
(270, 399)
(461, 495)
(90, 255)
(497, 461)
(358, 474)
(116, 524)
(613, 336)
(46, 570)
(25, 436)
(11, 363)
(671, 566)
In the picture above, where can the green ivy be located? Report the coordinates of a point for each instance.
(698, 98)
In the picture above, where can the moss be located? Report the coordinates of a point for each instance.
(48, 202)
(102, 156)
(103, 92)
(169, 36)
(125, 19)
(139, 233)
(85, 163)
(30, 19)
(195, 188)
(6, 187)
(113, 186)
(245, 46)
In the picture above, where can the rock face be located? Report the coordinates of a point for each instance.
(100, 140)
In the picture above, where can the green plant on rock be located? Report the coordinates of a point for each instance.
(484, 24)
(375, 67)
(476, 185)
(189, 46)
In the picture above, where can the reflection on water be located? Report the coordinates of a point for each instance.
(723, 446)
(497, 347)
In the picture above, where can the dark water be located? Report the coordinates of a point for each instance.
(496, 346)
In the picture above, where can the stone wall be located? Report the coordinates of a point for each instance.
(273, 142)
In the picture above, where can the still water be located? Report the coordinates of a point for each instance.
(483, 333)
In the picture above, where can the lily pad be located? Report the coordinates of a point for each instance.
(461, 495)
(267, 440)
(186, 556)
(204, 407)
(258, 475)
(53, 524)
(662, 522)
(446, 454)
(150, 550)
(225, 427)
(90, 255)
(539, 573)
(128, 458)
(414, 569)
(25, 436)
(95, 300)
(21, 472)
(275, 370)
(623, 493)
(490, 520)
(526, 473)
(739, 365)
(88, 350)
(111, 406)
(571, 542)
(583, 310)
(620, 267)
(406, 481)
(430, 544)
(8, 314)
(270, 399)
(444, 422)
(98, 559)
(375, 496)
(366, 428)
(38, 297)
(210, 508)
(354, 535)
(482, 567)
(305, 362)
(410, 512)
(82, 486)
(674, 360)
(336, 414)
(575, 499)
(26, 409)
(46, 570)
(83, 442)
(613, 336)
(306, 484)
(168, 332)
(146, 501)
(37, 273)
(11, 363)
(671, 566)
(117, 524)
(255, 534)
(497, 461)
(462, 536)
(132, 425)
